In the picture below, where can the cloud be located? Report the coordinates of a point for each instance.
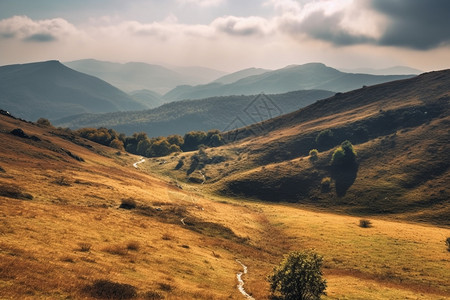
(248, 26)
(201, 3)
(415, 24)
(26, 29)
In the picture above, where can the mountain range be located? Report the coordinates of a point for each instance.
(134, 76)
(52, 90)
(291, 78)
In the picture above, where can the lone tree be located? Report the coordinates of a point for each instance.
(298, 277)
(344, 156)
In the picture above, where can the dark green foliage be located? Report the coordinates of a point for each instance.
(180, 164)
(325, 184)
(193, 139)
(325, 139)
(360, 135)
(106, 289)
(298, 277)
(344, 156)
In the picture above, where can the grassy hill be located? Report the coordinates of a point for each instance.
(64, 233)
(292, 78)
(401, 134)
(183, 116)
(52, 90)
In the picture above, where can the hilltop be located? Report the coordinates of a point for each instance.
(51, 90)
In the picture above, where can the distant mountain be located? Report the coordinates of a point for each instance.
(397, 70)
(137, 76)
(291, 78)
(233, 77)
(148, 98)
(223, 113)
(52, 90)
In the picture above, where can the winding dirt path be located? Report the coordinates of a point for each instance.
(138, 162)
(240, 285)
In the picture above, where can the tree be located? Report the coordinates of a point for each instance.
(344, 156)
(325, 139)
(298, 277)
(44, 122)
(193, 139)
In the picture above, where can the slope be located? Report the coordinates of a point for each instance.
(401, 133)
(51, 90)
(291, 78)
(182, 116)
(64, 235)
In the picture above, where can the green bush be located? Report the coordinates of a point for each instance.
(298, 277)
(344, 155)
(325, 139)
(313, 154)
(325, 184)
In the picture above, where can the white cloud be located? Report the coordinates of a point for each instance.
(201, 3)
(249, 26)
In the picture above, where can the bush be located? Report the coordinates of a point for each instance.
(313, 154)
(84, 247)
(447, 242)
(44, 122)
(128, 203)
(298, 277)
(344, 156)
(106, 289)
(150, 295)
(365, 223)
(133, 245)
(325, 139)
(325, 184)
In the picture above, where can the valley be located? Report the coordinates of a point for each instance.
(81, 220)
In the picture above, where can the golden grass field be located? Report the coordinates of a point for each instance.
(72, 233)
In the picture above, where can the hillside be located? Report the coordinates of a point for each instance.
(182, 116)
(79, 221)
(291, 78)
(233, 77)
(52, 90)
(401, 134)
(134, 76)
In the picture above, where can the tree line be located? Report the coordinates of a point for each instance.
(141, 144)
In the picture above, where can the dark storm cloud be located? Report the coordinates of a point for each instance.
(40, 38)
(416, 24)
(320, 26)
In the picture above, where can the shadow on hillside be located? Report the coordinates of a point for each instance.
(344, 178)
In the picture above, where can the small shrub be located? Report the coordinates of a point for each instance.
(447, 242)
(185, 246)
(14, 192)
(106, 289)
(151, 295)
(166, 287)
(133, 245)
(313, 154)
(84, 247)
(2, 170)
(44, 122)
(167, 237)
(128, 203)
(180, 164)
(62, 181)
(364, 223)
(116, 250)
(325, 184)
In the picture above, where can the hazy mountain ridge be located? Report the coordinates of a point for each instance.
(134, 76)
(291, 78)
(52, 90)
(183, 116)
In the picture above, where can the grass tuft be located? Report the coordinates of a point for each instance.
(364, 223)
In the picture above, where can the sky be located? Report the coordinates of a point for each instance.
(229, 35)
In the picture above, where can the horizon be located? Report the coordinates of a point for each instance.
(218, 34)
